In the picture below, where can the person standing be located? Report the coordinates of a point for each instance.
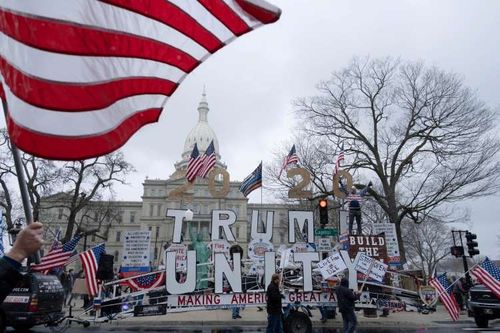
(355, 201)
(345, 301)
(274, 306)
(460, 291)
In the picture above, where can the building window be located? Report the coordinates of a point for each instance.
(151, 207)
(118, 236)
(237, 232)
(150, 228)
(156, 253)
(132, 217)
(119, 217)
(117, 254)
(93, 237)
(60, 214)
(158, 210)
(157, 231)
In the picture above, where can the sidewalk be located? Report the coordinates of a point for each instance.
(252, 317)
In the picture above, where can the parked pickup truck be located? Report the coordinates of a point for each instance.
(483, 305)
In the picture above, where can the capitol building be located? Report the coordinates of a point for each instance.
(158, 196)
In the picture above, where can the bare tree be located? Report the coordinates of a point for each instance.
(7, 175)
(426, 137)
(86, 180)
(426, 243)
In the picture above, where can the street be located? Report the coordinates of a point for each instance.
(459, 326)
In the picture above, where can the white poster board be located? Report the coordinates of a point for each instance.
(136, 251)
(365, 264)
(218, 246)
(180, 256)
(332, 265)
(391, 240)
(324, 244)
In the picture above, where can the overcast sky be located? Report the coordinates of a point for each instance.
(252, 82)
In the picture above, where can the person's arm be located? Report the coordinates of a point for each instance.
(28, 241)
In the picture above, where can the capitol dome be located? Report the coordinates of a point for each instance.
(202, 134)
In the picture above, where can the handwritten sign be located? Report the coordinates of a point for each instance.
(373, 268)
(136, 251)
(331, 265)
(180, 256)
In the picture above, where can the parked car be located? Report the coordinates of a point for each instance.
(483, 305)
(37, 300)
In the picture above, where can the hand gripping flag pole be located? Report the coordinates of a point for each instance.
(23, 188)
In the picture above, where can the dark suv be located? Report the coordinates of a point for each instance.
(483, 305)
(38, 299)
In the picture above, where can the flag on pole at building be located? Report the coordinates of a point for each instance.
(290, 159)
(209, 159)
(446, 297)
(81, 77)
(90, 263)
(148, 281)
(195, 164)
(340, 158)
(488, 274)
(57, 257)
(252, 182)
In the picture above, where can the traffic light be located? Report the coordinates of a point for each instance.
(471, 244)
(457, 251)
(323, 211)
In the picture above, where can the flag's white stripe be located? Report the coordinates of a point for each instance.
(205, 18)
(249, 20)
(54, 259)
(101, 15)
(81, 69)
(85, 123)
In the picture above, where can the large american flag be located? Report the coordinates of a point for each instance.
(195, 164)
(252, 182)
(291, 158)
(149, 281)
(209, 159)
(80, 77)
(488, 274)
(58, 256)
(90, 263)
(446, 297)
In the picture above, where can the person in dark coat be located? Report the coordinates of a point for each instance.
(345, 301)
(28, 241)
(274, 306)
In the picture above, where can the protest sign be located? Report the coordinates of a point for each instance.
(136, 251)
(331, 265)
(373, 268)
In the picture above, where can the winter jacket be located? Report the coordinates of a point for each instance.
(273, 299)
(345, 297)
(9, 276)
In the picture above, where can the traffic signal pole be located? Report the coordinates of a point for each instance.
(471, 245)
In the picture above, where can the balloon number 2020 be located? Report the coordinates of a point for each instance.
(297, 191)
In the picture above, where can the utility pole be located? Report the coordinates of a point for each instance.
(458, 249)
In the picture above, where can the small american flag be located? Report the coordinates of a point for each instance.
(340, 158)
(80, 77)
(209, 159)
(90, 263)
(149, 281)
(57, 257)
(194, 165)
(290, 159)
(252, 182)
(488, 274)
(446, 297)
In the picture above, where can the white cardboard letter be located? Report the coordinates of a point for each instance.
(178, 216)
(218, 222)
(302, 217)
(174, 287)
(306, 258)
(268, 234)
(233, 276)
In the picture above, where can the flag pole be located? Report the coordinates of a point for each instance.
(261, 186)
(23, 188)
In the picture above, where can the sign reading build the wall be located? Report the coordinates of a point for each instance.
(136, 251)
(373, 246)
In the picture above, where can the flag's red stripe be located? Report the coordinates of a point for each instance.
(259, 13)
(69, 148)
(75, 39)
(171, 15)
(79, 97)
(226, 16)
